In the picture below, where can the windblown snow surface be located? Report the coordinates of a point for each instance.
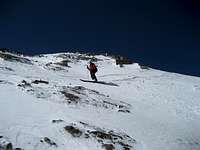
(45, 106)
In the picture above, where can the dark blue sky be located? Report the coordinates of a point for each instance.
(163, 34)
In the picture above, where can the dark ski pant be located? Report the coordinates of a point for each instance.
(93, 76)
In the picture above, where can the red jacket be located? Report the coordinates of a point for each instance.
(92, 68)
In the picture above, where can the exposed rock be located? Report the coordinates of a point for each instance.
(124, 111)
(109, 103)
(79, 56)
(53, 67)
(125, 146)
(24, 84)
(75, 132)
(101, 135)
(83, 123)
(10, 51)
(64, 63)
(57, 121)
(48, 141)
(4, 50)
(109, 140)
(6, 68)
(108, 146)
(40, 81)
(12, 57)
(79, 95)
(70, 97)
(5, 144)
(78, 88)
(120, 60)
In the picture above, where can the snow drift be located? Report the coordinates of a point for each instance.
(44, 105)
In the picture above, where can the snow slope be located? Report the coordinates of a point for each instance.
(44, 105)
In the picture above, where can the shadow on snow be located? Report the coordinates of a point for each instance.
(101, 82)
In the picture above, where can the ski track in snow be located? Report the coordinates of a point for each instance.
(159, 110)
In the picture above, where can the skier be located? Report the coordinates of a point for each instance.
(93, 69)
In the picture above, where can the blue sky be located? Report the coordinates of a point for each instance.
(157, 33)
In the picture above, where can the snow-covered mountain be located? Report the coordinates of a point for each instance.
(45, 106)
